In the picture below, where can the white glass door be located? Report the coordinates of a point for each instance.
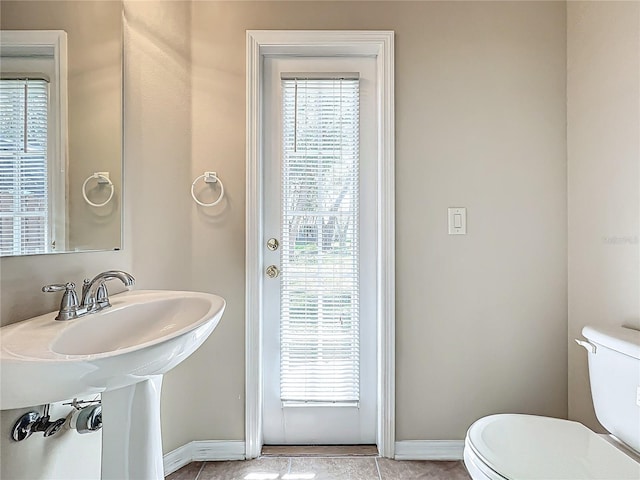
(319, 222)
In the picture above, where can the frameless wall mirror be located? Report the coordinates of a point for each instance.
(60, 126)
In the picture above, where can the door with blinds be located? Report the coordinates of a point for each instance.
(319, 326)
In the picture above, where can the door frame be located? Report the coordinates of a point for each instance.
(378, 44)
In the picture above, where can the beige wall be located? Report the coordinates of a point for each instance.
(158, 152)
(603, 140)
(480, 115)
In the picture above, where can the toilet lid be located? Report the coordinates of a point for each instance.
(528, 447)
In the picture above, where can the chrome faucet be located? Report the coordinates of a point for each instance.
(95, 296)
(94, 292)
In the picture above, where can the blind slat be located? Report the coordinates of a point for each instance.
(24, 200)
(319, 317)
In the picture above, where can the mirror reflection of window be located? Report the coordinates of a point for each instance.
(32, 146)
(24, 213)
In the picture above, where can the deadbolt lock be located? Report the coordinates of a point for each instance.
(272, 271)
(272, 244)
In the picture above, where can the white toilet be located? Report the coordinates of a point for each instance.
(529, 447)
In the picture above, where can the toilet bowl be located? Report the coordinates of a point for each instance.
(529, 447)
(512, 447)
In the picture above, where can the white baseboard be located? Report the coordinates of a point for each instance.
(203, 451)
(178, 458)
(429, 450)
(217, 450)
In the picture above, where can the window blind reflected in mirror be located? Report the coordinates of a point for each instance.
(24, 196)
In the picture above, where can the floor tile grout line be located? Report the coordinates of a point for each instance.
(321, 456)
(377, 468)
(200, 471)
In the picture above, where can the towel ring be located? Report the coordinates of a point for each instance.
(209, 177)
(102, 177)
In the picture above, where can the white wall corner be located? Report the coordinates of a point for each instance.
(429, 450)
(203, 451)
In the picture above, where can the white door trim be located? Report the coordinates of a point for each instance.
(321, 43)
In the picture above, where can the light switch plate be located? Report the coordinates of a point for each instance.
(457, 221)
(638, 396)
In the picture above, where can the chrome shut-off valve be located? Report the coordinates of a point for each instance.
(87, 419)
(32, 422)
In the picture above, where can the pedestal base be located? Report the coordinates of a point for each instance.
(131, 436)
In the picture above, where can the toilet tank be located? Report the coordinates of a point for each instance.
(614, 372)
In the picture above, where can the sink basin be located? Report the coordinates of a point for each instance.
(144, 333)
(133, 326)
(121, 353)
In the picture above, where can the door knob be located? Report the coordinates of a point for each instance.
(272, 271)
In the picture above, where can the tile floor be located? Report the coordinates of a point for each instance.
(322, 468)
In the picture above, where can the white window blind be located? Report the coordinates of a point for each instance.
(319, 326)
(24, 210)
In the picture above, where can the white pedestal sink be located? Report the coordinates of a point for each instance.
(122, 353)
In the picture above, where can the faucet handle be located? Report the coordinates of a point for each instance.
(58, 287)
(102, 296)
(99, 298)
(69, 303)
